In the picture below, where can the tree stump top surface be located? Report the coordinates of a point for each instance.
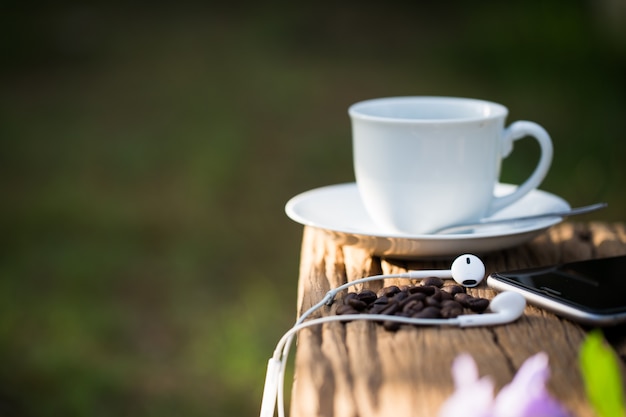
(361, 369)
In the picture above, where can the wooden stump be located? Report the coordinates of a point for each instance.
(360, 369)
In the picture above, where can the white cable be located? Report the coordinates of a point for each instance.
(274, 379)
(327, 300)
(468, 271)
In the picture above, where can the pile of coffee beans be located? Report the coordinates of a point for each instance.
(431, 299)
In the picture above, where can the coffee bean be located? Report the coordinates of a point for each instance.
(463, 298)
(451, 304)
(400, 296)
(436, 294)
(432, 302)
(428, 313)
(367, 296)
(478, 305)
(428, 290)
(453, 289)
(357, 304)
(389, 291)
(391, 308)
(349, 296)
(451, 312)
(346, 309)
(432, 282)
(382, 300)
(415, 307)
(409, 306)
(413, 297)
(446, 295)
(377, 308)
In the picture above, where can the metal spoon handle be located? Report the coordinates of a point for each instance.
(565, 213)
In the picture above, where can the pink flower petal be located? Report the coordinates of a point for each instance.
(473, 397)
(464, 370)
(526, 395)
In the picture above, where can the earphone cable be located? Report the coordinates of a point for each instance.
(287, 339)
(466, 270)
(326, 300)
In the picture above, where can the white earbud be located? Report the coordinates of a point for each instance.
(505, 307)
(468, 270)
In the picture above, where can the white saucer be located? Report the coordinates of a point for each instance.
(338, 210)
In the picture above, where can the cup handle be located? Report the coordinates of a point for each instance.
(515, 131)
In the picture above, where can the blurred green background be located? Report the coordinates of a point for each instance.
(146, 265)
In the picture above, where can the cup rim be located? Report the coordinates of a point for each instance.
(356, 110)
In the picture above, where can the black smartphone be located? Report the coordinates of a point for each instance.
(592, 292)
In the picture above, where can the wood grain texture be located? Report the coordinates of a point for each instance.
(360, 370)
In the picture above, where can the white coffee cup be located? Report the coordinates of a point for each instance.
(423, 163)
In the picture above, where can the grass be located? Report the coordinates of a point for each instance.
(147, 267)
